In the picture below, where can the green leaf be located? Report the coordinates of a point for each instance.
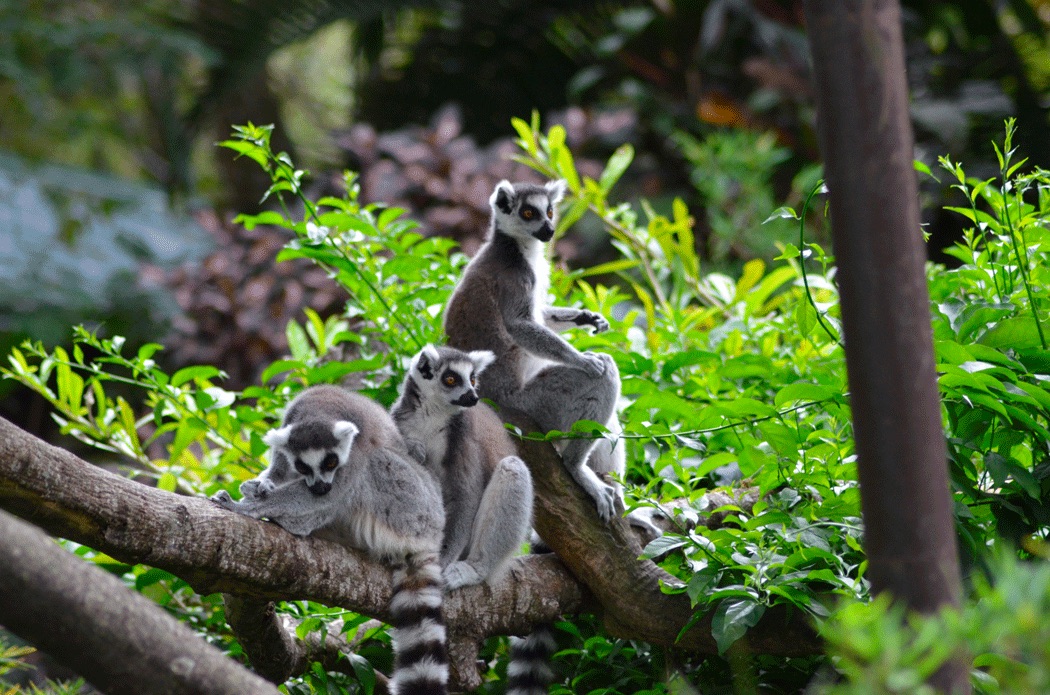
(190, 373)
(298, 343)
(805, 317)
(663, 544)
(281, 366)
(802, 391)
(571, 216)
(732, 620)
(617, 165)
(1017, 333)
(1002, 468)
(610, 267)
(923, 169)
(783, 213)
(168, 482)
(700, 583)
(783, 440)
(187, 432)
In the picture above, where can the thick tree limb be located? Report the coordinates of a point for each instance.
(219, 551)
(276, 653)
(87, 619)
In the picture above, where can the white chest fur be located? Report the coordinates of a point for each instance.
(536, 257)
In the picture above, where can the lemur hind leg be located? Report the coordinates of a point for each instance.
(500, 526)
(561, 395)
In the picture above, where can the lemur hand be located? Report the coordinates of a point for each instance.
(590, 318)
(593, 363)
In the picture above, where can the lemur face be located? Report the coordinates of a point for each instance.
(314, 449)
(525, 210)
(449, 377)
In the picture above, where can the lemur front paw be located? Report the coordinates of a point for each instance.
(608, 502)
(223, 499)
(593, 319)
(593, 363)
(257, 488)
(461, 573)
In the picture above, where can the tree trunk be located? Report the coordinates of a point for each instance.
(866, 140)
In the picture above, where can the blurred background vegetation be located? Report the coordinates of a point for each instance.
(115, 204)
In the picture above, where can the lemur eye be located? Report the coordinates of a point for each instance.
(302, 467)
(450, 381)
(550, 213)
(527, 214)
(473, 380)
(330, 462)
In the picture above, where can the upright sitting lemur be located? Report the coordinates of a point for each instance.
(501, 305)
(339, 470)
(486, 488)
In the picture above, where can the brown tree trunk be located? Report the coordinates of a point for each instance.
(866, 140)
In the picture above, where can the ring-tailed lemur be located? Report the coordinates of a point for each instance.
(500, 304)
(487, 489)
(339, 470)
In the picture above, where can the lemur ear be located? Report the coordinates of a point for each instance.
(277, 438)
(425, 361)
(555, 190)
(481, 359)
(503, 197)
(345, 432)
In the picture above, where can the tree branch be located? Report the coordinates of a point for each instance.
(214, 550)
(218, 551)
(87, 619)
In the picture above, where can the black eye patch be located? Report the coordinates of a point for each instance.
(450, 378)
(302, 467)
(330, 462)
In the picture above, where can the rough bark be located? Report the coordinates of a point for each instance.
(86, 618)
(219, 551)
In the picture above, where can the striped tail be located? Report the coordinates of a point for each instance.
(420, 642)
(529, 671)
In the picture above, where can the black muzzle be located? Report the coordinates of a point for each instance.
(320, 488)
(467, 400)
(544, 233)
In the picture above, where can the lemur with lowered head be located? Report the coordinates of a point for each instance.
(339, 470)
(487, 489)
(500, 304)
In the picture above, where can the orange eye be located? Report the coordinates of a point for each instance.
(450, 381)
(550, 213)
(527, 214)
(473, 380)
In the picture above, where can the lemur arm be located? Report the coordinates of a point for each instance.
(291, 506)
(563, 318)
(543, 342)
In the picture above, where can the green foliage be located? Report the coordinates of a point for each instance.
(11, 661)
(880, 650)
(731, 171)
(723, 378)
(990, 331)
